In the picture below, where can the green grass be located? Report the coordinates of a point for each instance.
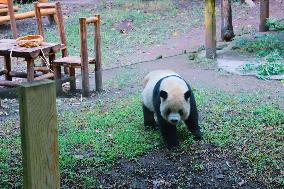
(96, 136)
(152, 23)
(269, 50)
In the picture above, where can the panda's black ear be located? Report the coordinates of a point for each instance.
(187, 95)
(163, 94)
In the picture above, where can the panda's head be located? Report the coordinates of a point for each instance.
(175, 104)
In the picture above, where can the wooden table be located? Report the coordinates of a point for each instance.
(29, 54)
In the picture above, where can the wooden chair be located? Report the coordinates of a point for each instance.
(41, 7)
(82, 61)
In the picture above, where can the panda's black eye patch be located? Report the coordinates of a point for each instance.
(180, 112)
(187, 95)
(168, 111)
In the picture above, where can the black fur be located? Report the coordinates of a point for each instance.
(169, 131)
(149, 120)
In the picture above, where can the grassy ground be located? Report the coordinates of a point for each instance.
(269, 51)
(97, 136)
(127, 25)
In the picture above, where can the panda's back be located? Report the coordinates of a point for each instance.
(150, 82)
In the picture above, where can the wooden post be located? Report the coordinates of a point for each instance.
(30, 70)
(61, 28)
(39, 135)
(264, 15)
(227, 29)
(98, 52)
(84, 57)
(210, 27)
(12, 18)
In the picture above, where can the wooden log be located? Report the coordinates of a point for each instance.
(12, 18)
(98, 52)
(30, 14)
(227, 29)
(46, 5)
(39, 134)
(20, 74)
(41, 69)
(5, 10)
(210, 29)
(45, 76)
(72, 75)
(264, 15)
(7, 66)
(84, 57)
(9, 83)
(91, 20)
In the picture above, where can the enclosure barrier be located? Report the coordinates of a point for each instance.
(39, 135)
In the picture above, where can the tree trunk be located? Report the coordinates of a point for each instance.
(264, 15)
(210, 29)
(227, 30)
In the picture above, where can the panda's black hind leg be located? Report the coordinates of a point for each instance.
(149, 120)
(168, 132)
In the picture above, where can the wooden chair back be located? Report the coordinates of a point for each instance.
(59, 20)
(84, 22)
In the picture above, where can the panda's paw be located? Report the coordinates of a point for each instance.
(197, 135)
(172, 145)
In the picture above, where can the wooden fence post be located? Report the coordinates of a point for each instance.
(210, 27)
(39, 134)
(264, 15)
(98, 70)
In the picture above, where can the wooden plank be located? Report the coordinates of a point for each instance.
(98, 52)
(39, 134)
(20, 74)
(264, 15)
(210, 29)
(84, 57)
(12, 18)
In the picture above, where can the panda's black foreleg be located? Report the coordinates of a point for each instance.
(168, 132)
(149, 119)
(192, 120)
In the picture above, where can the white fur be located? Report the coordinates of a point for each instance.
(174, 86)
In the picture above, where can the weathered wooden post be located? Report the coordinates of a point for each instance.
(264, 15)
(227, 29)
(210, 27)
(98, 70)
(39, 134)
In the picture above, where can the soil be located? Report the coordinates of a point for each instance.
(213, 168)
(163, 169)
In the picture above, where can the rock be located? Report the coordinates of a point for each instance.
(220, 176)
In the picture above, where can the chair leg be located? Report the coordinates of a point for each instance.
(72, 79)
(85, 82)
(57, 78)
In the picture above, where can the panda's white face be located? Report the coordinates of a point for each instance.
(175, 107)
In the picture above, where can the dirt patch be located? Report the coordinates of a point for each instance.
(201, 166)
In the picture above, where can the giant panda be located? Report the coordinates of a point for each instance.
(168, 96)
